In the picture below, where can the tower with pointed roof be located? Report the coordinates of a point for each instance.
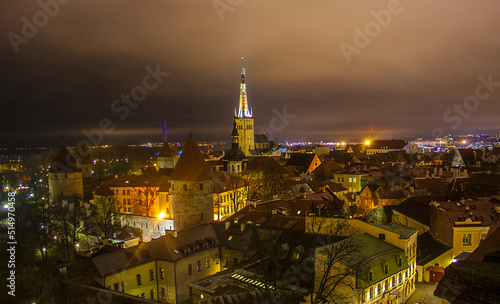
(192, 194)
(244, 118)
(65, 177)
(234, 159)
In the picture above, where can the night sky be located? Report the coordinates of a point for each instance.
(414, 68)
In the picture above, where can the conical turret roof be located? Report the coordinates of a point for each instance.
(63, 162)
(191, 165)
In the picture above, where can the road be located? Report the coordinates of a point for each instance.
(424, 292)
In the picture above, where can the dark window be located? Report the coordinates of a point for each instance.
(128, 192)
(198, 266)
(151, 275)
(116, 287)
(201, 186)
(162, 293)
(152, 293)
(123, 192)
(143, 295)
(400, 262)
(123, 287)
(139, 280)
(190, 269)
(467, 240)
(185, 187)
(370, 276)
(386, 269)
(207, 262)
(216, 259)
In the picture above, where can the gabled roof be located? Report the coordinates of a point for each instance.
(64, 162)
(434, 186)
(104, 190)
(429, 248)
(415, 209)
(261, 138)
(326, 170)
(83, 154)
(391, 194)
(490, 244)
(191, 166)
(266, 165)
(168, 150)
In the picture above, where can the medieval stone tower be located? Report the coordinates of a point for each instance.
(244, 118)
(65, 177)
(168, 156)
(192, 193)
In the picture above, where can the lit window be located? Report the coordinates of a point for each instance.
(467, 239)
(216, 259)
(162, 273)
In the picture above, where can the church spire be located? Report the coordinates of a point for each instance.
(243, 110)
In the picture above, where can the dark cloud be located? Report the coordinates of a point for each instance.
(426, 59)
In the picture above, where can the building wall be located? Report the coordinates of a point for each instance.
(192, 203)
(65, 185)
(131, 200)
(352, 182)
(224, 202)
(441, 261)
(246, 135)
(409, 222)
(167, 162)
(458, 238)
(441, 227)
(182, 276)
(129, 279)
(151, 227)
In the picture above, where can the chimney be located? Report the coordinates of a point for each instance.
(242, 226)
(302, 192)
(227, 224)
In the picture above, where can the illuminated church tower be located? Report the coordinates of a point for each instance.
(244, 118)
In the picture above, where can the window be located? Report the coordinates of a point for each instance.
(152, 294)
(350, 180)
(116, 191)
(400, 262)
(123, 287)
(128, 201)
(216, 259)
(139, 192)
(296, 255)
(370, 276)
(198, 266)
(190, 269)
(124, 201)
(386, 268)
(139, 279)
(201, 186)
(483, 236)
(116, 287)
(143, 295)
(162, 273)
(162, 293)
(151, 275)
(123, 192)
(185, 187)
(467, 240)
(128, 192)
(207, 262)
(354, 179)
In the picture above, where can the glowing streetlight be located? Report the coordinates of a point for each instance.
(161, 215)
(367, 142)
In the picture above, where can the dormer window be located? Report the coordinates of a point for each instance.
(386, 268)
(370, 276)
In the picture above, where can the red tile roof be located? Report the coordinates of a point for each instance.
(191, 166)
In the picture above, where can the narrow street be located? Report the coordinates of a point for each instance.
(424, 293)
